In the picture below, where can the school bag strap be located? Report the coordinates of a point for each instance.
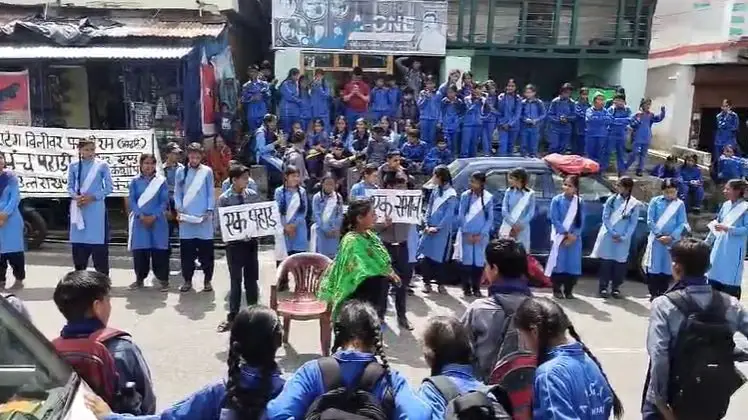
(372, 374)
(331, 377)
(687, 305)
(444, 386)
(105, 334)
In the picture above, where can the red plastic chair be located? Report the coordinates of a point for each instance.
(306, 271)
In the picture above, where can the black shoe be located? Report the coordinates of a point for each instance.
(403, 323)
(616, 294)
(135, 285)
(441, 290)
(207, 287)
(603, 293)
(411, 292)
(427, 288)
(639, 173)
(186, 287)
(467, 293)
(569, 295)
(477, 293)
(163, 286)
(558, 295)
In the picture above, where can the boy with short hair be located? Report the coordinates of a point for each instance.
(83, 298)
(438, 155)
(414, 151)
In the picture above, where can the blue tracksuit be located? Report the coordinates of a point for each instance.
(429, 107)
(451, 118)
(414, 152)
(620, 120)
(394, 93)
(321, 103)
(490, 114)
(283, 196)
(687, 189)
(461, 376)
(306, 385)
(729, 168)
(597, 122)
(642, 123)
(289, 109)
(436, 157)
(209, 402)
(510, 110)
(379, 104)
(255, 97)
(727, 129)
(561, 114)
(569, 385)
(533, 114)
(471, 127)
(577, 139)
(569, 259)
(305, 110)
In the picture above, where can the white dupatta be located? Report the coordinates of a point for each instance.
(519, 208)
(668, 214)
(76, 216)
(557, 238)
(150, 191)
(475, 208)
(281, 252)
(195, 186)
(625, 209)
(732, 216)
(330, 204)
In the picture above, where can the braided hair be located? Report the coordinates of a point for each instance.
(325, 177)
(356, 208)
(256, 335)
(551, 322)
(283, 205)
(481, 178)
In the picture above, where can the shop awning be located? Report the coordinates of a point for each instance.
(67, 53)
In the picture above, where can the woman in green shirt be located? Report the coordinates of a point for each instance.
(362, 269)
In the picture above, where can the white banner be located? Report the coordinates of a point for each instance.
(249, 221)
(402, 206)
(41, 156)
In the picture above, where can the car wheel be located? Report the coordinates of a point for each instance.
(34, 228)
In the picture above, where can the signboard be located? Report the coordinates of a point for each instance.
(377, 26)
(15, 108)
(402, 206)
(249, 221)
(41, 156)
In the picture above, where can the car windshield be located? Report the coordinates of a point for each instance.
(33, 379)
(590, 189)
(456, 166)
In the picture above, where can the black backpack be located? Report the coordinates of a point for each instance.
(473, 405)
(355, 403)
(703, 375)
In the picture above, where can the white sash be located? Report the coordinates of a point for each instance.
(330, 205)
(625, 209)
(75, 212)
(281, 252)
(732, 216)
(519, 208)
(150, 191)
(195, 185)
(556, 239)
(438, 201)
(473, 211)
(668, 214)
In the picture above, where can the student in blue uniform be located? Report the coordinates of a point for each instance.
(620, 115)
(490, 116)
(727, 129)
(289, 108)
(318, 144)
(692, 188)
(340, 131)
(510, 110)
(429, 109)
(327, 211)
(394, 137)
(438, 155)
(395, 94)
(148, 229)
(437, 231)
(414, 152)
(569, 381)
(292, 204)
(475, 221)
(368, 182)
(613, 243)
(471, 123)
(320, 92)
(580, 110)
(171, 166)
(729, 166)
(642, 123)
(597, 121)
(253, 377)
(194, 198)
(305, 106)
(12, 242)
(518, 208)
(89, 182)
(452, 110)
(379, 105)
(567, 216)
(266, 140)
(561, 114)
(668, 169)
(255, 98)
(468, 84)
(532, 116)
(358, 139)
(358, 342)
(666, 218)
(727, 235)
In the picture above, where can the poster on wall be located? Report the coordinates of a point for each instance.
(207, 96)
(383, 26)
(15, 107)
(41, 156)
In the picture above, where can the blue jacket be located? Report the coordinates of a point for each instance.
(642, 125)
(318, 138)
(570, 386)
(690, 173)
(660, 171)
(320, 99)
(561, 107)
(452, 114)
(429, 107)
(597, 122)
(305, 107)
(464, 380)
(510, 110)
(580, 109)
(290, 102)
(436, 157)
(409, 110)
(620, 120)
(255, 107)
(490, 111)
(729, 168)
(128, 359)
(414, 152)
(727, 127)
(380, 99)
(208, 402)
(472, 115)
(534, 110)
(307, 384)
(395, 94)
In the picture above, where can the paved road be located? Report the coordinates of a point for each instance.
(177, 331)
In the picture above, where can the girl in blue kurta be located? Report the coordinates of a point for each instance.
(368, 182)
(472, 123)
(532, 116)
(727, 234)
(327, 210)
(666, 218)
(289, 107)
(510, 108)
(253, 377)
(11, 228)
(517, 208)
(148, 228)
(292, 203)
(89, 182)
(620, 217)
(437, 231)
(357, 343)
(194, 199)
(475, 221)
(565, 260)
(569, 381)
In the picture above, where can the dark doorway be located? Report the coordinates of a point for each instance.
(709, 128)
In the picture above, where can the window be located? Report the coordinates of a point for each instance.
(590, 189)
(496, 181)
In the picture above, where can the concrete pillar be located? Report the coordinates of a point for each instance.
(451, 62)
(285, 60)
(632, 75)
